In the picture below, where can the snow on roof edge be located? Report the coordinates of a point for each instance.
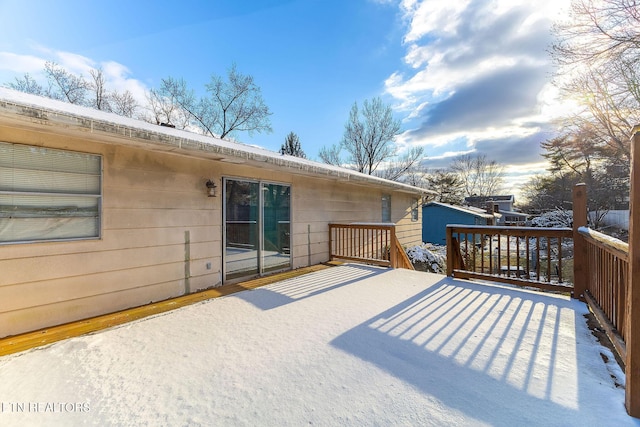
(114, 124)
(461, 209)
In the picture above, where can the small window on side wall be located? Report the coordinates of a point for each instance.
(414, 211)
(48, 194)
(386, 208)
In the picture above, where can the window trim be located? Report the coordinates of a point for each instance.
(260, 221)
(415, 211)
(53, 194)
(386, 208)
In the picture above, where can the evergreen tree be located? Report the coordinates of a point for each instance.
(292, 146)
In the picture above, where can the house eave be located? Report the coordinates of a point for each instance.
(32, 112)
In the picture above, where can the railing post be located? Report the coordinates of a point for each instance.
(449, 244)
(632, 341)
(579, 244)
(330, 242)
(393, 251)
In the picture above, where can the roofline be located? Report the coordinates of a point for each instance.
(44, 112)
(494, 197)
(461, 209)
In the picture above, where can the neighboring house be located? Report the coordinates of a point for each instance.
(513, 218)
(436, 216)
(502, 205)
(100, 213)
(499, 203)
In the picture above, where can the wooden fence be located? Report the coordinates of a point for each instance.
(367, 243)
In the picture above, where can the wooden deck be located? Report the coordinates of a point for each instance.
(42, 337)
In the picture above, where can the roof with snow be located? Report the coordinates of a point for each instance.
(495, 198)
(26, 110)
(466, 209)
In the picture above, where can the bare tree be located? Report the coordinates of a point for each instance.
(123, 103)
(97, 86)
(64, 85)
(597, 53)
(598, 57)
(233, 105)
(402, 168)
(236, 105)
(608, 109)
(102, 98)
(479, 176)
(369, 139)
(164, 105)
(598, 31)
(331, 155)
(27, 84)
(369, 142)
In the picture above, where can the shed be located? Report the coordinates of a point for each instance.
(436, 216)
(100, 213)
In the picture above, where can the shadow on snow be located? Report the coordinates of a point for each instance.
(309, 285)
(510, 353)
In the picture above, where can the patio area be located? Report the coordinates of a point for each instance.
(347, 345)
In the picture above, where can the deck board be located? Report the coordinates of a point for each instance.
(42, 337)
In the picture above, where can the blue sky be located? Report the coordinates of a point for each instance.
(463, 76)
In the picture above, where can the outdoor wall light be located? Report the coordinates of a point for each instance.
(211, 188)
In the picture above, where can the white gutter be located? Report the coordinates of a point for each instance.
(45, 112)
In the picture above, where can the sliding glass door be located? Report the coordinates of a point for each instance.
(241, 228)
(257, 227)
(276, 229)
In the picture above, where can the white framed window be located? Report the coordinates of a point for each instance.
(414, 211)
(386, 208)
(48, 194)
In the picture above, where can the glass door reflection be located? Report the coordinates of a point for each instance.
(257, 228)
(276, 227)
(242, 240)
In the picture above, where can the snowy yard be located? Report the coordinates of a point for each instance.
(349, 345)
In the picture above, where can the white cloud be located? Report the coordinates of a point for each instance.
(119, 78)
(426, 17)
(20, 64)
(477, 78)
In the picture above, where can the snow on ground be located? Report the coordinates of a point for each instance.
(349, 345)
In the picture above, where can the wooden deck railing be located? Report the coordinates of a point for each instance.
(606, 271)
(606, 285)
(367, 243)
(525, 256)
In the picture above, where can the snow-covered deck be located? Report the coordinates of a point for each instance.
(349, 345)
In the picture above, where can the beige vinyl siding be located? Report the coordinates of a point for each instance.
(409, 232)
(149, 202)
(316, 203)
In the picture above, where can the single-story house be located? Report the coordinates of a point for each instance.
(100, 212)
(436, 216)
